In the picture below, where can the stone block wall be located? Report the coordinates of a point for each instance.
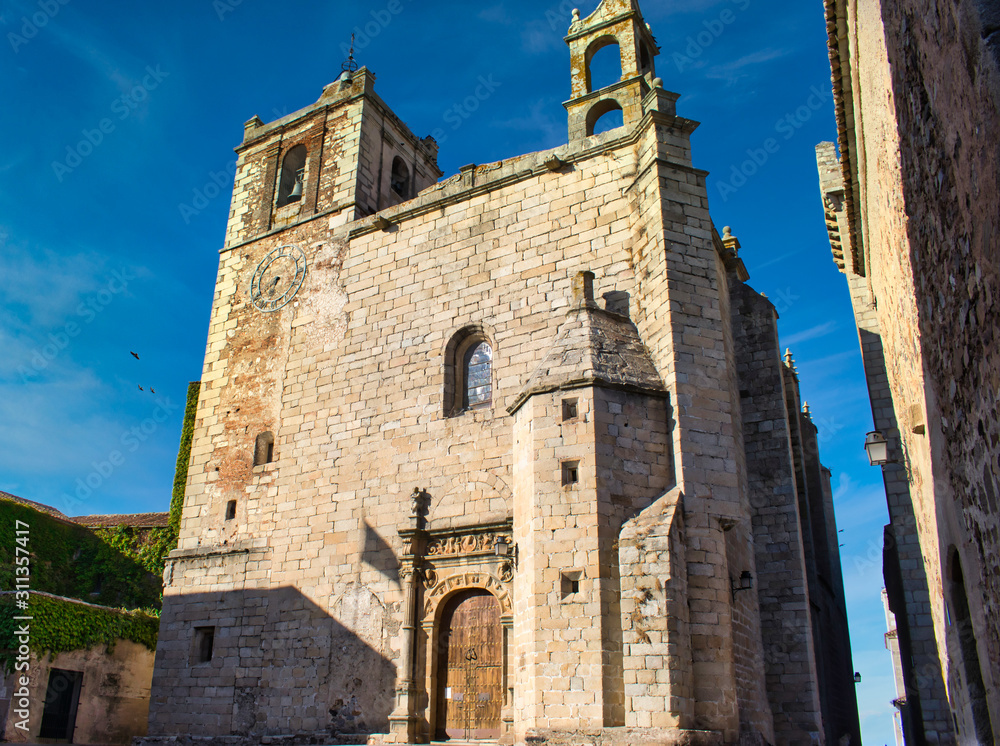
(620, 596)
(920, 165)
(781, 577)
(114, 693)
(927, 707)
(349, 376)
(950, 158)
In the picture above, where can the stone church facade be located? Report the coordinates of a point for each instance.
(512, 455)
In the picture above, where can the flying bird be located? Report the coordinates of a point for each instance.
(152, 389)
(133, 354)
(141, 388)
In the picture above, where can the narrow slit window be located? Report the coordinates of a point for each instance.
(569, 585)
(263, 452)
(230, 510)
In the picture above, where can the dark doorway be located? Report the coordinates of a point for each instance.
(61, 699)
(970, 653)
(470, 668)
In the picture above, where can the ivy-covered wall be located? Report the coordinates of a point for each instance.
(75, 561)
(58, 626)
(183, 457)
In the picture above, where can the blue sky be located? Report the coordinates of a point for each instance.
(119, 122)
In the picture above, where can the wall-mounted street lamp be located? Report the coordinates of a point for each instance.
(504, 550)
(877, 448)
(743, 583)
(857, 677)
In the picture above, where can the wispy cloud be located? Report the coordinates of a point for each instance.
(46, 285)
(496, 14)
(739, 69)
(540, 120)
(776, 260)
(820, 330)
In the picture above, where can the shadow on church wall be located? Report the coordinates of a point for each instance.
(267, 662)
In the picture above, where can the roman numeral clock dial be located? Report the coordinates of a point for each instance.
(278, 278)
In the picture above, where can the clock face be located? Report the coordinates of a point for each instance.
(278, 278)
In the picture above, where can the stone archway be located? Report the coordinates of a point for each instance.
(469, 667)
(444, 592)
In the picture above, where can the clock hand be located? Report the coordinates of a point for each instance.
(274, 284)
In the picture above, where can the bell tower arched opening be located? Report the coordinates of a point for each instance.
(611, 56)
(290, 182)
(604, 116)
(604, 63)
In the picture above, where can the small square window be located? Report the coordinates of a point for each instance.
(570, 409)
(569, 585)
(204, 644)
(230, 510)
(570, 473)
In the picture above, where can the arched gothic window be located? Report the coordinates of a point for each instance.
(468, 374)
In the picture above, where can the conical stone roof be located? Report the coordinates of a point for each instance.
(594, 347)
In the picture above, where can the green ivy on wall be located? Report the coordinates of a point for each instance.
(147, 546)
(73, 561)
(183, 457)
(58, 626)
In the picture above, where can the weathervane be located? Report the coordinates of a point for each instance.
(351, 65)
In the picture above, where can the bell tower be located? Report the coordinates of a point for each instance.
(615, 22)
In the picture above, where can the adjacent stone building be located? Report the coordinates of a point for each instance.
(76, 665)
(913, 206)
(509, 455)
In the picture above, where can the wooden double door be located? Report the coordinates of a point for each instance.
(470, 668)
